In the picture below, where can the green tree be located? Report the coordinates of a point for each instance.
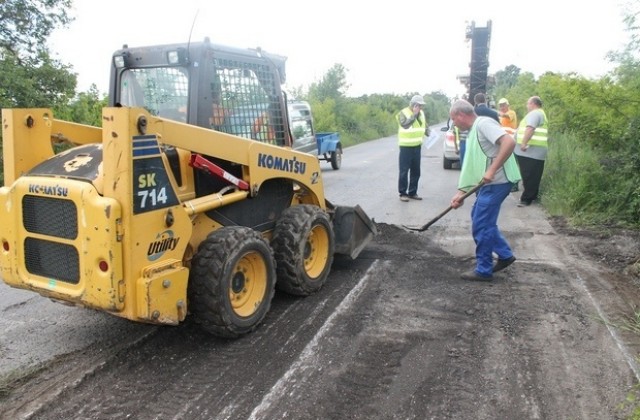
(86, 108)
(333, 85)
(35, 82)
(324, 115)
(25, 25)
(437, 107)
(504, 80)
(525, 87)
(28, 75)
(296, 92)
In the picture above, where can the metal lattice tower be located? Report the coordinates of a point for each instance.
(479, 65)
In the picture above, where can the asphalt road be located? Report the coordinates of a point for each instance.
(394, 334)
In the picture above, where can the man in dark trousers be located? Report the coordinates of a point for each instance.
(412, 127)
(531, 149)
(482, 109)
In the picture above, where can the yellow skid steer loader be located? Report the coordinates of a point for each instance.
(188, 200)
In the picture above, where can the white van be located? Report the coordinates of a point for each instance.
(302, 128)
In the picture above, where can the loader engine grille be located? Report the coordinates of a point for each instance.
(57, 218)
(50, 216)
(51, 259)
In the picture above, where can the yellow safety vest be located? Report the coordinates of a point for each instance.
(540, 135)
(413, 135)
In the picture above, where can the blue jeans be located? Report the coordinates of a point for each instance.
(484, 226)
(409, 163)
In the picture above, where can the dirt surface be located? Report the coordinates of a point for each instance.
(617, 250)
(395, 334)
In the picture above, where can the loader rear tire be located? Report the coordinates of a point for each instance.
(303, 242)
(232, 281)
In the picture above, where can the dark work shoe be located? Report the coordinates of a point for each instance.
(404, 198)
(415, 197)
(502, 264)
(472, 275)
(524, 203)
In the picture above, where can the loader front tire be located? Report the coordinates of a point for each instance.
(303, 242)
(232, 281)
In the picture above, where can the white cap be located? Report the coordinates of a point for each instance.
(503, 101)
(417, 99)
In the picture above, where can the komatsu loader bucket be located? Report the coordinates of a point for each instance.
(353, 229)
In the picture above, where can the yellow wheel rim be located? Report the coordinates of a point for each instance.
(248, 284)
(316, 252)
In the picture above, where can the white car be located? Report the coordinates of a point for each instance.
(450, 153)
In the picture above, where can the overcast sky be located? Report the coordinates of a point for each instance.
(386, 47)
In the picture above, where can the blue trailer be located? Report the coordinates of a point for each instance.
(329, 148)
(326, 145)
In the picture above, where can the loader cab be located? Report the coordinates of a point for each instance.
(225, 89)
(232, 90)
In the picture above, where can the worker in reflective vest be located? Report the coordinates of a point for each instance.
(412, 127)
(489, 162)
(531, 149)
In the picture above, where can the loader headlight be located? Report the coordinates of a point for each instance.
(177, 56)
(118, 61)
(173, 57)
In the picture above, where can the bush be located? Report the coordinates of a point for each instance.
(587, 187)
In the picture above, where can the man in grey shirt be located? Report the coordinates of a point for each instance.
(531, 149)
